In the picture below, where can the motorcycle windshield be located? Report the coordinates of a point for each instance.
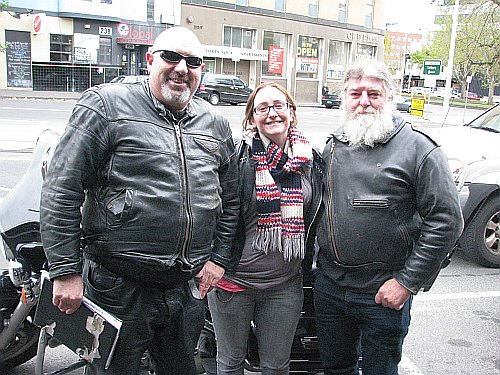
(22, 203)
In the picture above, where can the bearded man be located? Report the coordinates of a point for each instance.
(391, 216)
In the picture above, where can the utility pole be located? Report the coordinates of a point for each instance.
(449, 74)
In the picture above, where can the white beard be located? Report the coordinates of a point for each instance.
(367, 126)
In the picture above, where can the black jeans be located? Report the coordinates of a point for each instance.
(166, 321)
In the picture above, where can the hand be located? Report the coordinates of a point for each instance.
(67, 294)
(392, 295)
(208, 277)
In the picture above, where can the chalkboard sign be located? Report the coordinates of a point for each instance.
(18, 55)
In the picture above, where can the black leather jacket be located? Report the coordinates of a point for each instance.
(390, 208)
(247, 169)
(156, 191)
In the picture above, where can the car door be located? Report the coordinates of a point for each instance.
(225, 88)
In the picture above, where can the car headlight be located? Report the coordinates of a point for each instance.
(458, 171)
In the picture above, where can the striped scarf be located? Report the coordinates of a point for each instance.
(280, 224)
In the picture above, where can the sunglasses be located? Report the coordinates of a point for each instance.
(174, 57)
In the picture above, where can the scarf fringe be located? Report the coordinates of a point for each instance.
(294, 248)
(271, 240)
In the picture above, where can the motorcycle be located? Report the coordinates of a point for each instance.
(22, 249)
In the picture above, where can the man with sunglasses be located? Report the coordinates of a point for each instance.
(156, 173)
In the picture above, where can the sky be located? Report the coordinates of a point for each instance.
(410, 15)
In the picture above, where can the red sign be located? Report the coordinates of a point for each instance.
(37, 23)
(275, 59)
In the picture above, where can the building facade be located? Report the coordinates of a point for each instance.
(69, 45)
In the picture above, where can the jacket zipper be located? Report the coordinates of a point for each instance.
(189, 221)
(330, 205)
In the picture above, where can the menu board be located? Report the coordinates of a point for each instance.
(18, 55)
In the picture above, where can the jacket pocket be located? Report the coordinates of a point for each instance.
(118, 208)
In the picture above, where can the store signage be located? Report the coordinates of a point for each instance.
(362, 37)
(275, 59)
(39, 23)
(234, 53)
(307, 54)
(105, 31)
(136, 34)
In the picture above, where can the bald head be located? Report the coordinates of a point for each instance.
(179, 38)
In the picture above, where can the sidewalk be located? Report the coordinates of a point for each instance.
(30, 94)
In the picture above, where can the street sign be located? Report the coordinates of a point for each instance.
(417, 107)
(432, 67)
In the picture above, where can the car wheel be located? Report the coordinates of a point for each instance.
(482, 234)
(329, 106)
(214, 98)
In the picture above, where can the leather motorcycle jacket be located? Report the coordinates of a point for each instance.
(247, 169)
(156, 190)
(390, 209)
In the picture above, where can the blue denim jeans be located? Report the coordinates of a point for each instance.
(275, 312)
(351, 323)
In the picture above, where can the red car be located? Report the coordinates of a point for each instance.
(472, 96)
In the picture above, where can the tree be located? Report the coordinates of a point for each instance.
(477, 48)
(3, 5)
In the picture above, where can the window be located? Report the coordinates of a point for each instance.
(241, 2)
(338, 58)
(307, 56)
(364, 52)
(106, 1)
(343, 11)
(276, 44)
(150, 10)
(313, 8)
(61, 47)
(105, 51)
(238, 37)
(369, 13)
(279, 5)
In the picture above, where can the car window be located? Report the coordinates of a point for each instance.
(489, 120)
(238, 82)
(223, 81)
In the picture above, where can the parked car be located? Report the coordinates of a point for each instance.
(474, 157)
(402, 104)
(129, 79)
(472, 96)
(217, 88)
(332, 99)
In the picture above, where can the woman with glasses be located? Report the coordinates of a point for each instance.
(279, 176)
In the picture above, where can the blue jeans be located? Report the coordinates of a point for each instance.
(349, 323)
(275, 312)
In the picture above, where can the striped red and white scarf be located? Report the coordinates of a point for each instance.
(280, 224)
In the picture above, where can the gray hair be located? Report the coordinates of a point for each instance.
(371, 69)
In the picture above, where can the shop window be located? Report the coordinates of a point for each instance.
(238, 37)
(61, 47)
(105, 51)
(338, 59)
(276, 45)
(241, 2)
(343, 11)
(307, 57)
(364, 52)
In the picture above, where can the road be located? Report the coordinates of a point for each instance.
(455, 327)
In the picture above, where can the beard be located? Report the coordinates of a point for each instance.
(182, 98)
(366, 126)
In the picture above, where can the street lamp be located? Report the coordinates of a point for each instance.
(451, 55)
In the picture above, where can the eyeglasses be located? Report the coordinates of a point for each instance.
(263, 109)
(174, 57)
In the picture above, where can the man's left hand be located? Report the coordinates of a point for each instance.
(208, 277)
(392, 295)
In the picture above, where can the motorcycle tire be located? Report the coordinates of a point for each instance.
(22, 348)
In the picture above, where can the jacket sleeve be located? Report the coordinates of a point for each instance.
(72, 169)
(228, 220)
(442, 223)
